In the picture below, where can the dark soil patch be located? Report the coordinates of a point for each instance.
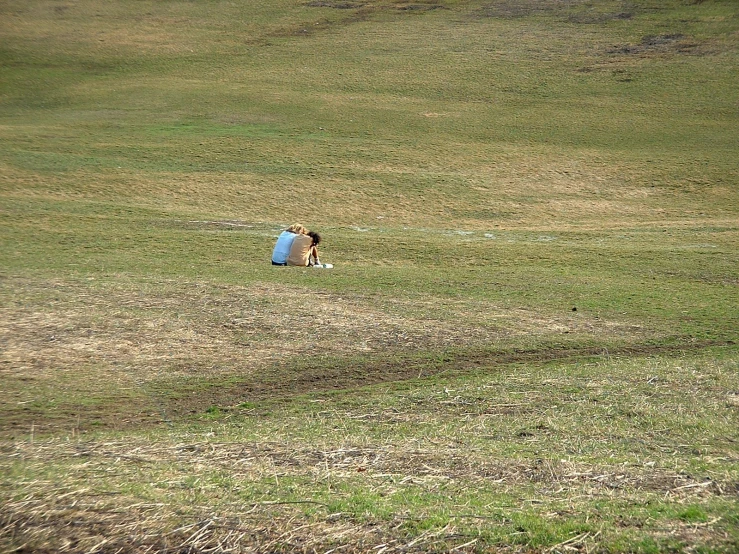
(588, 18)
(356, 12)
(574, 11)
(511, 9)
(118, 414)
(654, 44)
(336, 5)
(418, 5)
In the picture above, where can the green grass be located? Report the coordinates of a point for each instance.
(622, 454)
(528, 342)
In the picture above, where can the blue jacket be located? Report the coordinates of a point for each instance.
(282, 248)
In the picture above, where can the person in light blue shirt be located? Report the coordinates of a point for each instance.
(285, 242)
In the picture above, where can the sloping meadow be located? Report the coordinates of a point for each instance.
(528, 340)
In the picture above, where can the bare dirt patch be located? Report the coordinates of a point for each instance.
(653, 44)
(576, 11)
(369, 5)
(508, 9)
(355, 12)
(336, 5)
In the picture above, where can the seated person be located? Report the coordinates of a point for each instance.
(304, 247)
(285, 242)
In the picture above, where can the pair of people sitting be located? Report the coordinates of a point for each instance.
(297, 246)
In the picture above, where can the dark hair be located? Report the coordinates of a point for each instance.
(316, 237)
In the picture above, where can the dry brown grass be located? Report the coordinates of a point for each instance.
(65, 517)
(38, 21)
(90, 351)
(536, 190)
(57, 326)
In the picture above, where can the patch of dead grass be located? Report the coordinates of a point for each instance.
(77, 352)
(58, 326)
(67, 517)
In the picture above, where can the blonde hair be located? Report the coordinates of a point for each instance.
(298, 229)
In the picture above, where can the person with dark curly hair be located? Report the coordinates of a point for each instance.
(304, 250)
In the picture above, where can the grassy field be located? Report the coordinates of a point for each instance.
(528, 341)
